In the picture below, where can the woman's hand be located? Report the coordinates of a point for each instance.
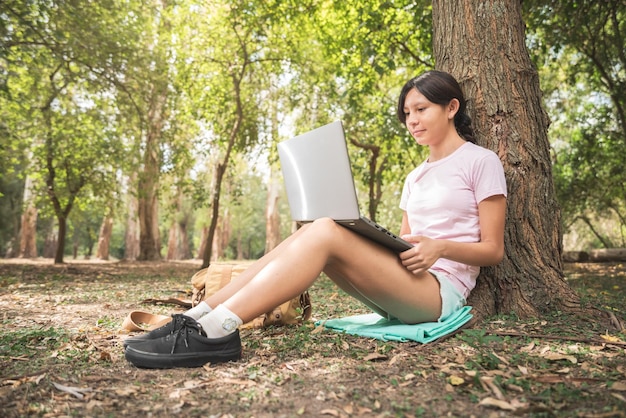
(423, 254)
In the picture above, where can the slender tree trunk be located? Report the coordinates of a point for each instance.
(207, 256)
(220, 171)
(185, 250)
(177, 244)
(482, 44)
(50, 243)
(272, 213)
(28, 230)
(104, 238)
(374, 184)
(131, 236)
(172, 241)
(241, 253)
(203, 242)
(225, 232)
(217, 247)
(149, 241)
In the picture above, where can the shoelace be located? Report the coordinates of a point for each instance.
(180, 321)
(186, 329)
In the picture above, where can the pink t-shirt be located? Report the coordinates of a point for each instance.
(441, 200)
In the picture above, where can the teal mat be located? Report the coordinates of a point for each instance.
(375, 326)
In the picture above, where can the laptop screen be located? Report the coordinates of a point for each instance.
(317, 175)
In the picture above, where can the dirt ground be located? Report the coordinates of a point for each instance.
(61, 355)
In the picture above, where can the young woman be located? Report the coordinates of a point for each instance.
(453, 212)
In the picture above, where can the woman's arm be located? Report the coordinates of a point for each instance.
(488, 251)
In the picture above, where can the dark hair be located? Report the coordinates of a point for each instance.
(440, 88)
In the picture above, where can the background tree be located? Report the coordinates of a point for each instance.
(57, 80)
(580, 49)
(380, 45)
(230, 43)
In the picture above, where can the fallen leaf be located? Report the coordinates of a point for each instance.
(191, 384)
(74, 391)
(558, 356)
(620, 386)
(456, 380)
(618, 396)
(330, 412)
(319, 328)
(514, 387)
(502, 359)
(497, 403)
(610, 338)
(374, 356)
(239, 382)
(127, 391)
(492, 387)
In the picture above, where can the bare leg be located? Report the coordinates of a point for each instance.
(244, 277)
(365, 270)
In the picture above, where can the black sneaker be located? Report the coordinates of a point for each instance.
(186, 347)
(177, 322)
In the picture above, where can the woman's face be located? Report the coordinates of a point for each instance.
(428, 122)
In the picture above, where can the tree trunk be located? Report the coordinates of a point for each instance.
(203, 242)
(149, 241)
(482, 44)
(131, 236)
(50, 243)
(60, 250)
(217, 246)
(178, 243)
(104, 238)
(216, 192)
(220, 170)
(28, 230)
(272, 214)
(225, 232)
(172, 242)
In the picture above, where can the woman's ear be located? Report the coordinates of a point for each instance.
(453, 108)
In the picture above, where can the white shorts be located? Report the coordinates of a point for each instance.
(451, 299)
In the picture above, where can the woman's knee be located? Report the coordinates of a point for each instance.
(323, 229)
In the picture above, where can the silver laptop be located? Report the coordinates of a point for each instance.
(319, 183)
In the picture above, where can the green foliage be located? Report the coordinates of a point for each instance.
(83, 85)
(579, 49)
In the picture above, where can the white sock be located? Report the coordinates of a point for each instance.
(198, 311)
(220, 322)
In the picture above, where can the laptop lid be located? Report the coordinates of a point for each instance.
(317, 174)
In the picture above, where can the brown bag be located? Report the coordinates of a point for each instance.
(209, 280)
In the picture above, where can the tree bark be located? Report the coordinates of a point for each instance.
(482, 44)
(272, 214)
(50, 243)
(149, 240)
(104, 238)
(178, 243)
(131, 237)
(28, 230)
